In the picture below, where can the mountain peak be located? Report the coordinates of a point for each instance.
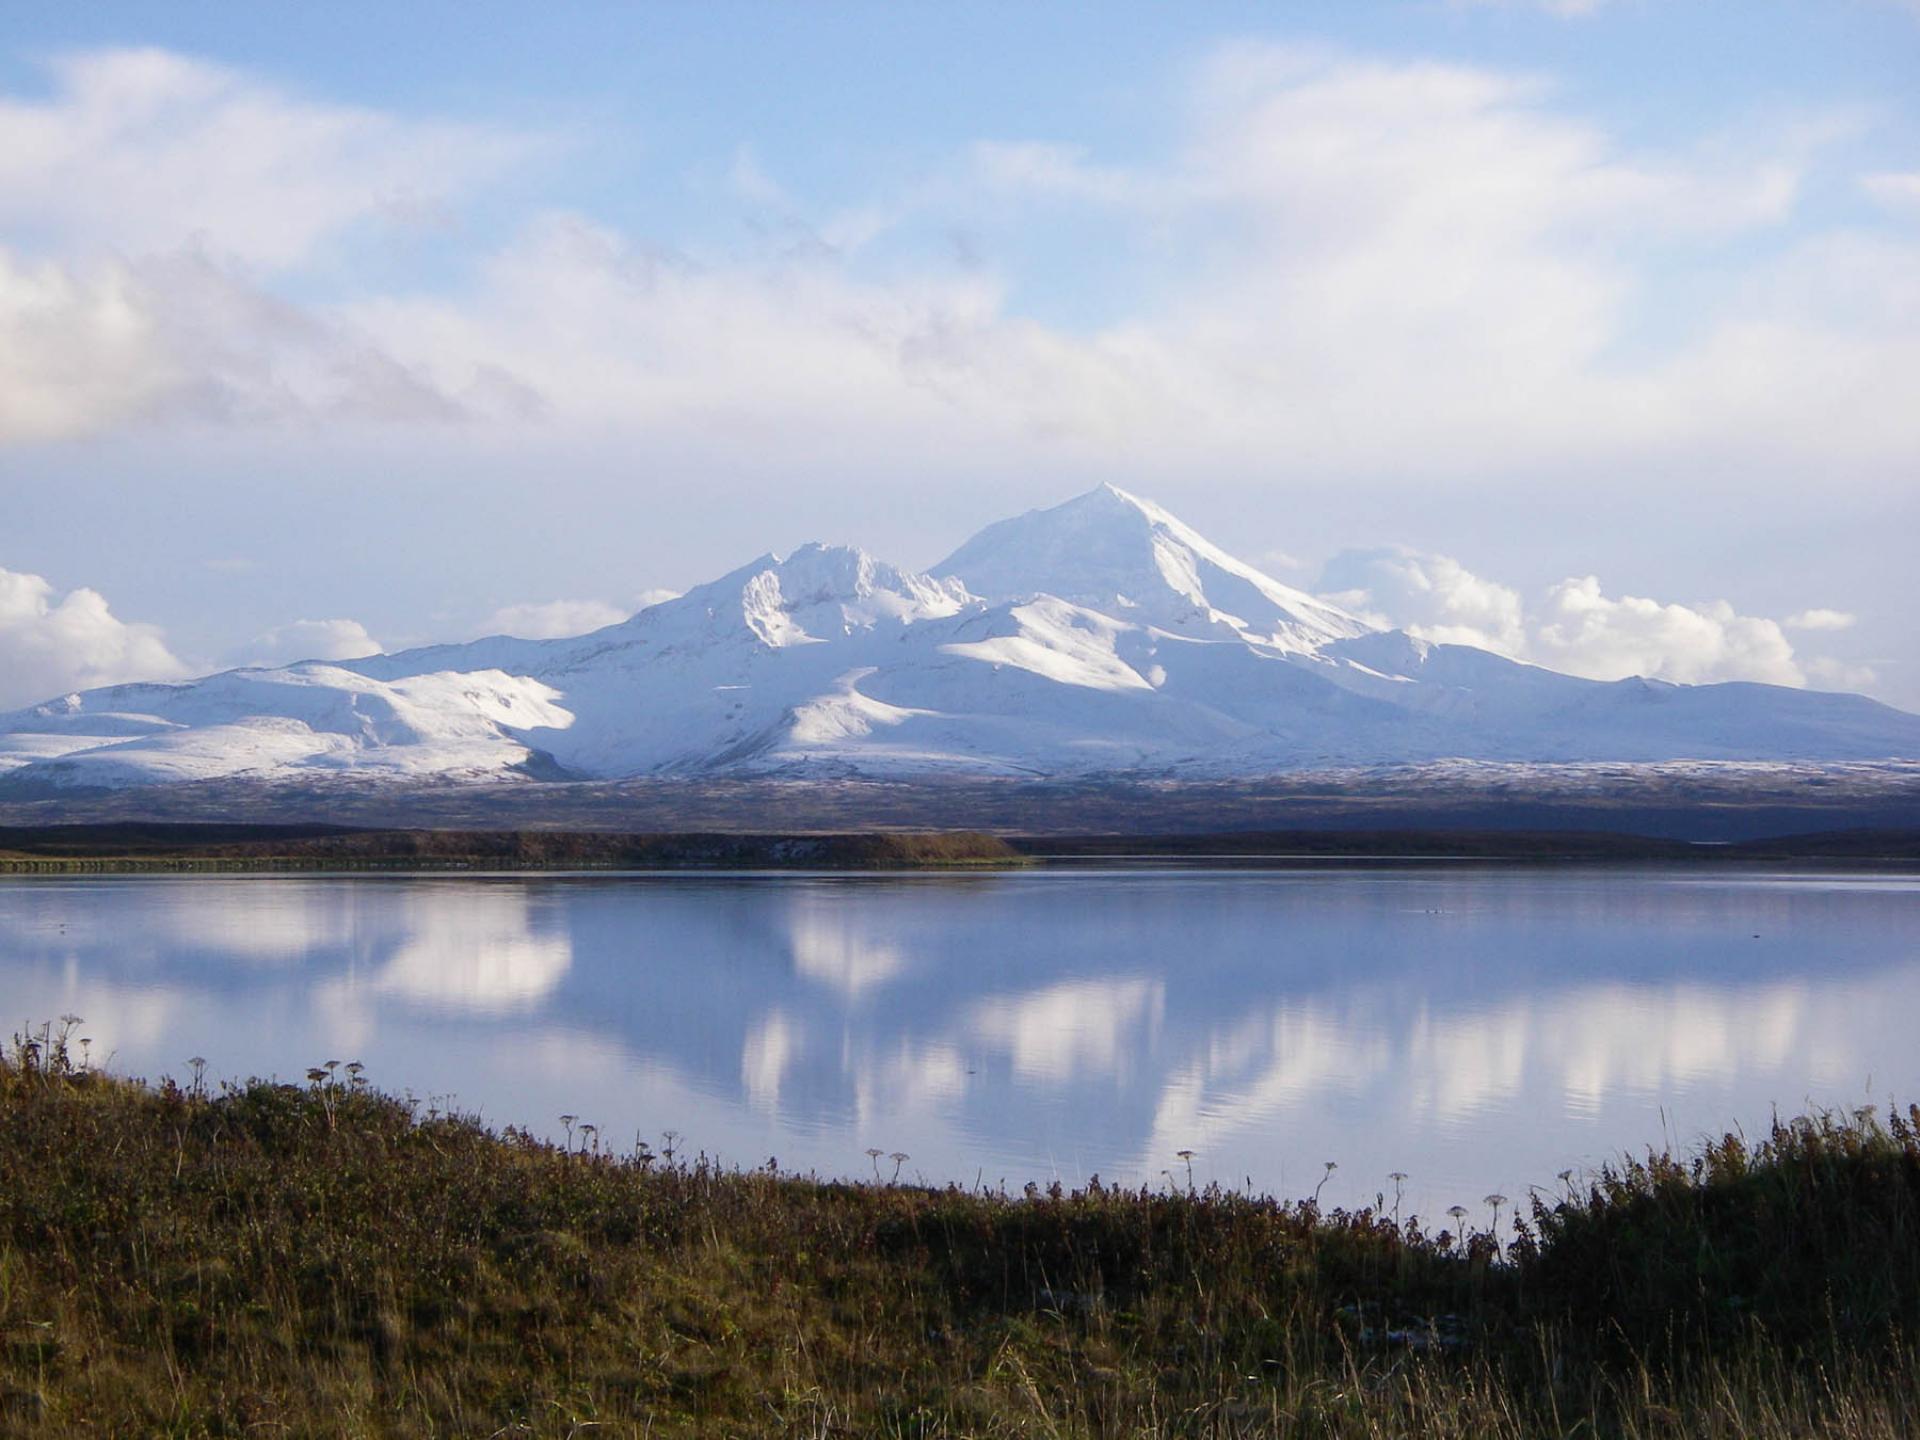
(1113, 551)
(816, 592)
(1119, 641)
(1106, 492)
(1110, 500)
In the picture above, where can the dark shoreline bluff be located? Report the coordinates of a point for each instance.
(161, 847)
(270, 847)
(320, 1257)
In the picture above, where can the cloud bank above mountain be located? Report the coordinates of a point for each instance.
(1577, 628)
(1446, 242)
(1311, 275)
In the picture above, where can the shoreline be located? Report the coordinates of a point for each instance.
(190, 848)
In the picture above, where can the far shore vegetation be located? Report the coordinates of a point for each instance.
(320, 1258)
(87, 849)
(217, 848)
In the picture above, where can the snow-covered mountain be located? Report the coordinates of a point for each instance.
(1100, 637)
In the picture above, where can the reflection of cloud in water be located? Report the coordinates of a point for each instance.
(1262, 1067)
(1575, 1050)
(830, 947)
(260, 922)
(122, 1022)
(764, 1059)
(475, 952)
(250, 921)
(907, 1077)
(1073, 1030)
(1461, 1064)
(1445, 1026)
(1605, 1040)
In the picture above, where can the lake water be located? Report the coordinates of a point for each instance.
(1478, 1029)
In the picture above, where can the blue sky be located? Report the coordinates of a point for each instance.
(328, 326)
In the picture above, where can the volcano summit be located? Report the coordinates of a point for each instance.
(1101, 637)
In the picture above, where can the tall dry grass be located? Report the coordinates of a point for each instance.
(327, 1260)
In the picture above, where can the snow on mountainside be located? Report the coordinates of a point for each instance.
(1098, 637)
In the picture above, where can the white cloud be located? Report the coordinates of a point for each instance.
(90, 346)
(1897, 190)
(143, 151)
(311, 640)
(51, 645)
(1388, 265)
(1434, 597)
(1060, 171)
(144, 205)
(556, 619)
(553, 619)
(1277, 559)
(78, 351)
(1820, 619)
(1826, 673)
(1577, 628)
(1425, 242)
(613, 334)
(753, 185)
(1587, 633)
(1565, 9)
(1385, 266)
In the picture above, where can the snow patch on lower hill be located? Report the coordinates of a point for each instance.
(844, 716)
(263, 723)
(1063, 643)
(23, 750)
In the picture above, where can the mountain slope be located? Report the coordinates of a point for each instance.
(1100, 637)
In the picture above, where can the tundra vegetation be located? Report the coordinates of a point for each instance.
(324, 1259)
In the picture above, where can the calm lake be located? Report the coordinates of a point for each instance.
(1478, 1029)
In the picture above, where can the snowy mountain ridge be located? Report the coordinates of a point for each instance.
(1098, 637)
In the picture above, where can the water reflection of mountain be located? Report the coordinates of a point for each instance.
(1124, 1015)
(1116, 999)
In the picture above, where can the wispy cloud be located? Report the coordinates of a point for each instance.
(310, 640)
(1438, 243)
(552, 619)
(1820, 619)
(1898, 190)
(89, 346)
(1563, 9)
(149, 204)
(144, 151)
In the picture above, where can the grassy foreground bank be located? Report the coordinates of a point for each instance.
(323, 1259)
